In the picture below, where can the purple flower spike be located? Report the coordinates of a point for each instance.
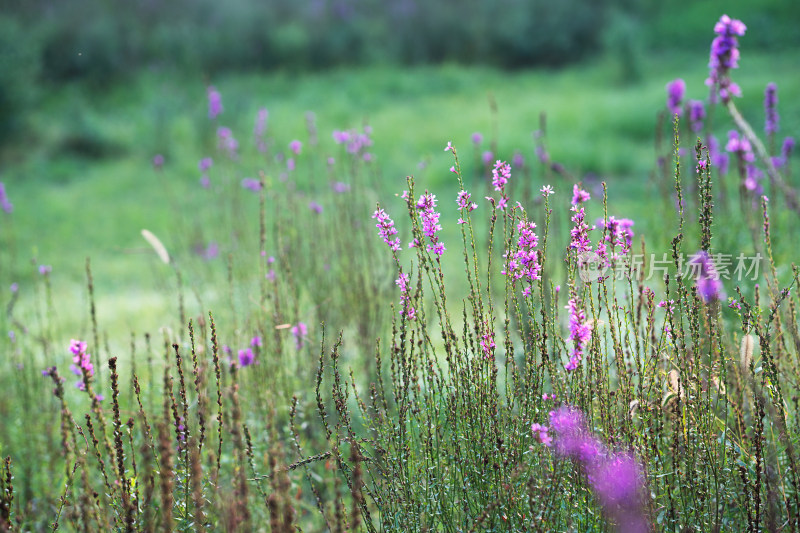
(214, 103)
(5, 204)
(697, 112)
(386, 229)
(724, 57)
(676, 89)
(770, 109)
(246, 357)
(709, 286)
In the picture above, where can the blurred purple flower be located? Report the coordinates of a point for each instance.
(255, 342)
(246, 357)
(261, 123)
(214, 103)
(205, 163)
(386, 229)
(158, 161)
(314, 206)
(709, 286)
(676, 89)
(295, 146)
(45, 269)
(5, 204)
(205, 182)
(251, 184)
(697, 112)
(770, 109)
(299, 333)
(340, 187)
(487, 157)
(477, 138)
(724, 57)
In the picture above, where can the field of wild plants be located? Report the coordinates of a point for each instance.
(289, 334)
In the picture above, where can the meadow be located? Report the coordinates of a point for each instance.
(433, 298)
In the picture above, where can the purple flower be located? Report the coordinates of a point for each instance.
(540, 434)
(546, 191)
(477, 138)
(770, 109)
(709, 286)
(579, 195)
(386, 229)
(501, 173)
(5, 204)
(518, 160)
(718, 158)
(205, 164)
(697, 112)
(463, 201)
(45, 269)
(580, 331)
(487, 343)
(260, 127)
(314, 206)
(430, 222)
(290, 164)
(448, 147)
(299, 333)
(205, 182)
(246, 357)
(724, 57)
(580, 231)
(82, 365)
(618, 233)
(208, 252)
(255, 342)
(676, 89)
(14, 287)
(487, 157)
(405, 297)
(251, 184)
(158, 161)
(522, 262)
(340, 187)
(214, 103)
(226, 141)
(295, 146)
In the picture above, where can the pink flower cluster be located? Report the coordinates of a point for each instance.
(81, 364)
(524, 260)
(386, 229)
(430, 222)
(354, 142)
(580, 332)
(407, 309)
(299, 332)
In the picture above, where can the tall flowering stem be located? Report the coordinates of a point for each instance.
(580, 330)
(724, 58)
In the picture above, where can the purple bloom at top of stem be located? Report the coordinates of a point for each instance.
(786, 149)
(251, 184)
(463, 201)
(718, 158)
(255, 342)
(477, 138)
(226, 142)
(580, 331)
(579, 195)
(501, 173)
(158, 161)
(518, 160)
(430, 222)
(487, 157)
(246, 357)
(771, 109)
(697, 112)
(386, 229)
(523, 260)
(295, 146)
(580, 231)
(618, 233)
(676, 89)
(45, 269)
(724, 57)
(709, 285)
(205, 164)
(214, 103)
(260, 127)
(299, 332)
(5, 204)
(740, 145)
(314, 206)
(81, 362)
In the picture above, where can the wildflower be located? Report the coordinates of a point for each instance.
(580, 331)
(246, 357)
(500, 175)
(724, 57)
(255, 342)
(770, 109)
(487, 343)
(82, 366)
(158, 161)
(697, 112)
(518, 161)
(251, 184)
(453, 169)
(540, 434)
(618, 233)
(523, 260)
(487, 157)
(260, 127)
(405, 297)
(463, 201)
(5, 204)
(580, 231)
(14, 287)
(546, 191)
(430, 222)
(295, 146)
(718, 158)
(226, 142)
(448, 147)
(477, 138)
(205, 182)
(675, 92)
(709, 286)
(299, 332)
(579, 195)
(314, 206)
(214, 103)
(208, 252)
(386, 229)
(205, 164)
(340, 187)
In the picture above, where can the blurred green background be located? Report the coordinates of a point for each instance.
(92, 90)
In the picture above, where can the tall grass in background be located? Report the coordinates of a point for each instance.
(522, 360)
